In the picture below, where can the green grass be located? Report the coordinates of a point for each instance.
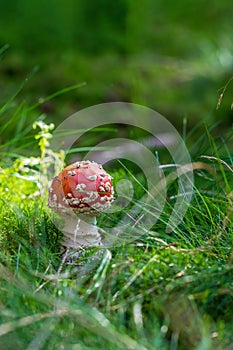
(161, 291)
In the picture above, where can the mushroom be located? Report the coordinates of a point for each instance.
(86, 188)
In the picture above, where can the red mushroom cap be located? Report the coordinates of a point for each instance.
(84, 186)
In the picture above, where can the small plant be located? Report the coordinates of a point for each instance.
(36, 169)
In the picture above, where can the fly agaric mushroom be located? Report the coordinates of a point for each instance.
(86, 188)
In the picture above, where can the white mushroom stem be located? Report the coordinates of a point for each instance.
(82, 232)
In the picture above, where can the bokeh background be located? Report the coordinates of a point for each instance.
(174, 57)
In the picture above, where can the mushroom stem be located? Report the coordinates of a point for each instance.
(84, 233)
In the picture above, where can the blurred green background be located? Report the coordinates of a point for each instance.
(174, 57)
